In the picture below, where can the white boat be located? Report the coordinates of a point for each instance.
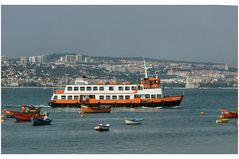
(148, 93)
(102, 127)
(133, 121)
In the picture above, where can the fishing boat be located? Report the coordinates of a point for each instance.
(27, 116)
(133, 121)
(149, 93)
(229, 114)
(12, 113)
(102, 127)
(96, 109)
(41, 121)
(24, 109)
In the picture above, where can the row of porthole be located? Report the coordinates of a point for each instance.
(69, 97)
(111, 88)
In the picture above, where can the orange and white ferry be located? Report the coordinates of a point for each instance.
(148, 93)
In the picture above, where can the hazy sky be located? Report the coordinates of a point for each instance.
(191, 33)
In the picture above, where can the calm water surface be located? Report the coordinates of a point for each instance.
(168, 131)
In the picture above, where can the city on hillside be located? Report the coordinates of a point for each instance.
(58, 70)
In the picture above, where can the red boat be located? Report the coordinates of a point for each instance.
(27, 116)
(228, 114)
(12, 113)
(97, 109)
(24, 109)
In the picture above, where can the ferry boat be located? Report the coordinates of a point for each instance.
(148, 93)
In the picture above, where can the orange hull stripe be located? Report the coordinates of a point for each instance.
(122, 101)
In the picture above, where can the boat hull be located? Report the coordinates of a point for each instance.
(41, 121)
(166, 102)
(230, 114)
(132, 122)
(26, 116)
(99, 109)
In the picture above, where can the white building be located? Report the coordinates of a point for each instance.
(23, 60)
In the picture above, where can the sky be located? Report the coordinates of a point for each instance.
(185, 33)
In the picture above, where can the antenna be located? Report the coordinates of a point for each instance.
(156, 74)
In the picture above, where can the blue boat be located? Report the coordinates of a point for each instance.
(41, 121)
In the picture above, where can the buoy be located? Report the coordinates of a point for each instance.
(202, 113)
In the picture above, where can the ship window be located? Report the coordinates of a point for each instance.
(76, 88)
(76, 97)
(153, 96)
(69, 97)
(55, 97)
(63, 97)
(88, 88)
(121, 97)
(82, 88)
(141, 88)
(95, 88)
(101, 88)
(121, 88)
(137, 96)
(158, 95)
(107, 97)
(101, 97)
(111, 88)
(127, 88)
(127, 97)
(147, 96)
(133, 88)
(114, 97)
(69, 88)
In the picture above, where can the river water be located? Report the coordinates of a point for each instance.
(163, 131)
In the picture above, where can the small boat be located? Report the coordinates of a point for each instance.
(102, 127)
(30, 109)
(27, 116)
(96, 109)
(11, 113)
(222, 121)
(133, 121)
(229, 114)
(41, 121)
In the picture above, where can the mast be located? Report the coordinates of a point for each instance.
(145, 70)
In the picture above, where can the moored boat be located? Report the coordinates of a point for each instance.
(41, 121)
(148, 93)
(27, 116)
(133, 121)
(96, 109)
(13, 113)
(229, 114)
(102, 127)
(24, 109)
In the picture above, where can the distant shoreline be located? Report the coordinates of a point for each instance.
(164, 87)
